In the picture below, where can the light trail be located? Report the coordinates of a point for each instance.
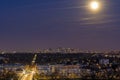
(29, 71)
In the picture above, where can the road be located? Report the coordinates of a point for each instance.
(29, 71)
(27, 76)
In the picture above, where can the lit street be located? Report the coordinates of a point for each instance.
(29, 71)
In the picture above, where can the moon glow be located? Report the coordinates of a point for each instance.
(94, 5)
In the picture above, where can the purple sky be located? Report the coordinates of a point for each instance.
(33, 24)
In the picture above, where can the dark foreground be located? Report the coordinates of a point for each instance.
(58, 66)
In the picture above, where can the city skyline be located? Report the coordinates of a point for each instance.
(29, 25)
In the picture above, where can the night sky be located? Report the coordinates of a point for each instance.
(33, 24)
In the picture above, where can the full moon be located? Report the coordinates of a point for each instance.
(94, 5)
